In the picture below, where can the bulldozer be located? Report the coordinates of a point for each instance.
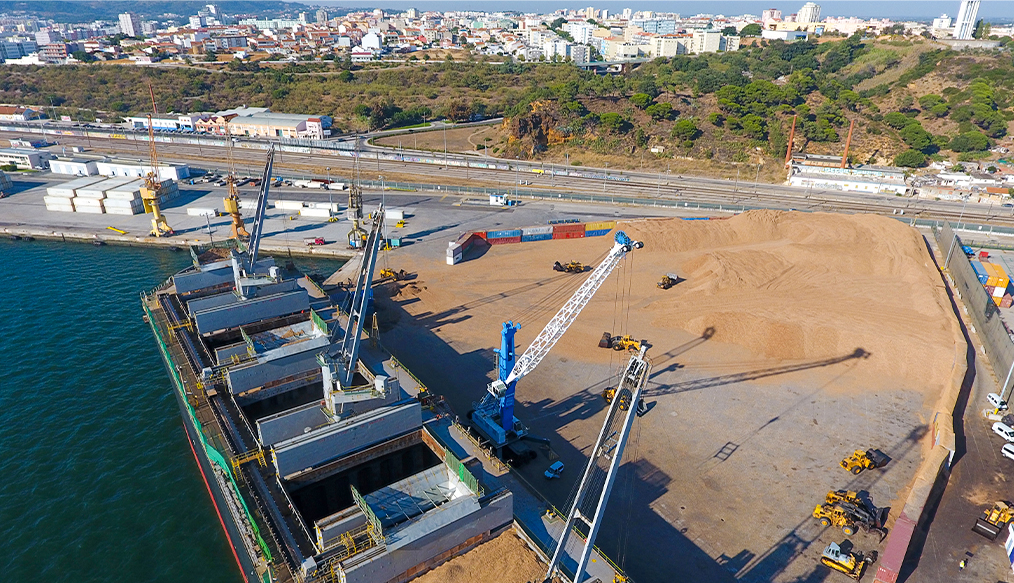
(395, 275)
(993, 520)
(864, 460)
(668, 280)
(851, 563)
(571, 267)
(846, 510)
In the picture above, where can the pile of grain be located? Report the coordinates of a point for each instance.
(505, 559)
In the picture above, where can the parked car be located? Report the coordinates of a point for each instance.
(1007, 450)
(1003, 430)
(554, 470)
(996, 401)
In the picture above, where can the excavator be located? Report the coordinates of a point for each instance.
(864, 460)
(846, 510)
(571, 267)
(399, 275)
(993, 520)
(851, 563)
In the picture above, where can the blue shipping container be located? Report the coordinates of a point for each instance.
(980, 272)
(503, 234)
(537, 237)
(597, 233)
(695, 218)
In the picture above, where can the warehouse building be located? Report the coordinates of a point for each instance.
(25, 159)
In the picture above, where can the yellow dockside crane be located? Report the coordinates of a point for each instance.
(153, 186)
(231, 201)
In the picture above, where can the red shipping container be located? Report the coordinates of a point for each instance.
(1006, 301)
(481, 234)
(990, 289)
(568, 235)
(568, 228)
(504, 240)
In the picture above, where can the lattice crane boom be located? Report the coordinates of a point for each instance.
(556, 327)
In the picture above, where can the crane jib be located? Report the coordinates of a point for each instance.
(556, 327)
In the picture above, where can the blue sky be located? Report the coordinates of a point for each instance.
(1000, 10)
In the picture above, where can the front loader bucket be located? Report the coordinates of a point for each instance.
(986, 529)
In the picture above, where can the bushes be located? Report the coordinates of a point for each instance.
(910, 159)
(614, 122)
(659, 111)
(640, 100)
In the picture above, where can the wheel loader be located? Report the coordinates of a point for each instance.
(993, 520)
(395, 275)
(609, 393)
(571, 267)
(864, 460)
(852, 564)
(847, 511)
(620, 343)
(668, 280)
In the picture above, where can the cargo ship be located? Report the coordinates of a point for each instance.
(321, 460)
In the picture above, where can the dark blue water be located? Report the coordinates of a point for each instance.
(97, 481)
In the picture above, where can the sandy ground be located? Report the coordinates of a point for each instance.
(505, 559)
(462, 140)
(794, 339)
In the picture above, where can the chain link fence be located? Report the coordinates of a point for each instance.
(985, 315)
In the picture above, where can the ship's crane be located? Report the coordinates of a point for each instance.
(243, 267)
(152, 183)
(231, 201)
(357, 236)
(338, 363)
(494, 415)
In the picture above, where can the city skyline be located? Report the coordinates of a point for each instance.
(905, 9)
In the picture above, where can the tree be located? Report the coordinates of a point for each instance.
(715, 118)
(729, 31)
(641, 100)
(613, 122)
(897, 120)
(83, 56)
(754, 126)
(210, 56)
(969, 142)
(982, 29)
(916, 137)
(751, 30)
(659, 111)
(910, 159)
(685, 130)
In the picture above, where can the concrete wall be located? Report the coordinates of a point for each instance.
(318, 447)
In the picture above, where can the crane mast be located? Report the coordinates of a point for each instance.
(231, 201)
(152, 183)
(499, 401)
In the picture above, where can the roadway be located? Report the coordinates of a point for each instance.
(628, 186)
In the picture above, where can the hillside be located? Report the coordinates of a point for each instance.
(912, 101)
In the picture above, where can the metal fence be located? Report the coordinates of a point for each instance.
(995, 335)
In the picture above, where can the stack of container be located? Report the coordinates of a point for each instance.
(996, 282)
(123, 197)
(288, 205)
(598, 229)
(536, 234)
(61, 197)
(503, 237)
(568, 231)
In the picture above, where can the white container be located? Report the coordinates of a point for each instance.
(319, 213)
(999, 291)
(92, 210)
(289, 205)
(115, 210)
(202, 212)
(63, 208)
(118, 203)
(394, 214)
(128, 191)
(335, 207)
(547, 230)
(248, 205)
(58, 201)
(80, 203)
(68, 189)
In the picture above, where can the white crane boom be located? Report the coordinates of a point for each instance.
(556, 327)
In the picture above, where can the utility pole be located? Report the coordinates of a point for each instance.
(517, 176)
(757, 178)
(736, 188)
(330, 201)
(604, 176)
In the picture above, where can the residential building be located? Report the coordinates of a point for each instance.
(784, 35)
(668, 45)
(964, 27)
(198, 21)
(579, 54)
(25, 159)
(656, 25)
(711, 41)
(15, 113)
(769, 15)
(17, 49)
(130, 24)
(943, 22)
(810, 12)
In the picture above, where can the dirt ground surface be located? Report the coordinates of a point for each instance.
(505, 559)
(792, 340)
(462, 140)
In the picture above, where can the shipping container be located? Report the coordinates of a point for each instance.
(996, 300)
(568, 228)
(537, 237)
(597, 232)
(288, 205)
(323, 213)
(504, 240)
(569, 235)
(991, 277)
(598, 226)
(131, 210)
(1001, 274)
(980, 272)
(990, 289)
(503, 234)
(998, 292)
(479, 234)
(118, 203)
(546, 230)
(1006, 301)
(66, 207)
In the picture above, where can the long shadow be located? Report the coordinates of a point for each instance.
(186, 197)
(18, 186)
(705, 383)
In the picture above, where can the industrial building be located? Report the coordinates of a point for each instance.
(862, 178)
(25, 159)
(73, 166)
(107, 167)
